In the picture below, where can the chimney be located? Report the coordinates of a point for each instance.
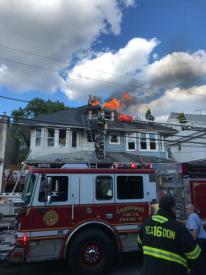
(90, 99)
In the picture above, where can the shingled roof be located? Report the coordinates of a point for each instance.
(73, 118)
(84, 156)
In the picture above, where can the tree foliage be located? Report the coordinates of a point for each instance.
(149, 116)
(35, 107)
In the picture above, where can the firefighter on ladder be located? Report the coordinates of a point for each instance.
(168, 247)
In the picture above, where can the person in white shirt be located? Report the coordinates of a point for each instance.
(194, 225)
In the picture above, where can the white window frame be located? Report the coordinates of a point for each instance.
(38, 137)
(118, 139)
(162, 143)
(133, 138)
(50, 138)
(59, 142)
(148, 142)
(95, 114)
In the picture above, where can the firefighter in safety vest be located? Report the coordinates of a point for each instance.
(168, 247)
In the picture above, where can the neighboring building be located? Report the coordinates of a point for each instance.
(3, 138)
(8, 147)
(189, 143)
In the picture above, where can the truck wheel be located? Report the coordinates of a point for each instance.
(91, 252)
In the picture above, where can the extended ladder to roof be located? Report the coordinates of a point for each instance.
(88, 132)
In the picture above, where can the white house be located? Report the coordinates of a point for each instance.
(190, 142)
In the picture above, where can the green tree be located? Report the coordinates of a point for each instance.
(149, 116)
(35, 107)
(181, 117)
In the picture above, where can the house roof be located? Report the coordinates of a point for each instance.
(84, 156)
(189, 117)
(132, 126)
(73, 118)
(68, 117)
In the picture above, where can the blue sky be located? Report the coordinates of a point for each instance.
(154, 49)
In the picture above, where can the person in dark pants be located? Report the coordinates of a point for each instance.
(167, 245)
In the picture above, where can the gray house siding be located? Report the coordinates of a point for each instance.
(121, 146)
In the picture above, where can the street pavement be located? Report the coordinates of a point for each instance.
(129, 264)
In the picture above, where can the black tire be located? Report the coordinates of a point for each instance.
(91, 252)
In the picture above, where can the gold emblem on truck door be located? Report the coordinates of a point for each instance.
(50, 218)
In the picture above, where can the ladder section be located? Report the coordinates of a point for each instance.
(88, 133)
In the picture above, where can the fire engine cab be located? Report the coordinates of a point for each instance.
(86, 216)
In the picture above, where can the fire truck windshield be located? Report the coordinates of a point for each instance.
(28, 188)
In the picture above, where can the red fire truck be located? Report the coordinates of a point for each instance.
(194, 184)
(85, 216)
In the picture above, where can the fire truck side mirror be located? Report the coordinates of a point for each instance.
(49, 199)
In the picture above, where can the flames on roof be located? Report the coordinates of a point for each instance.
(114, 104)
(125, 118)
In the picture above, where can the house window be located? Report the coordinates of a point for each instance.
(62, 137)
(95, 114)
(104, 188)
(152, 142)
(38, 137)
(129, 187)
(90, 136)
(74, 138)
(114, 139)
(143, 141)
(148, 141)
(50, 137)
(131, 142)
(107, 115)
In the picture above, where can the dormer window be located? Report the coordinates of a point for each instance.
(95, 113)
(108, 115)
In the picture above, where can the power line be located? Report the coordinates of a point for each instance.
(32, 53)
(56, 71)
(79, 75)
(144, 121)
(61, 61)
(193, 128)
(151, 122)
(76, 74)
(16, 99)
(137, 138)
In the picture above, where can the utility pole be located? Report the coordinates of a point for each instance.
(3, 138)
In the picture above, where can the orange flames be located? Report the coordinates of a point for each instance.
(127, 97)
(126, 118)
(118, 104)
(113, 104)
